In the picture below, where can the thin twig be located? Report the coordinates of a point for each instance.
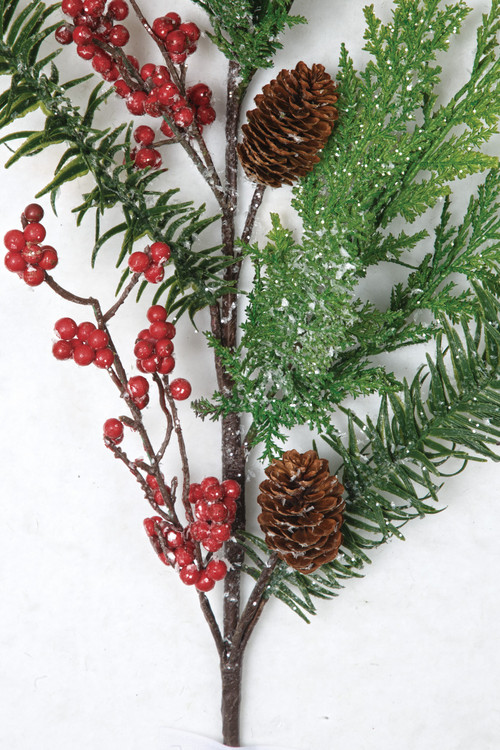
(254, 604)
(182, 450)
(168, 416)
(212, 622)
(252, 213)
(119, 302)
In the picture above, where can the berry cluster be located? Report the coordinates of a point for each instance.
(154, 347)
(152, 483)
(25, 255)
(178, 38)
(150, 262)
(215, 510)
(84, 343)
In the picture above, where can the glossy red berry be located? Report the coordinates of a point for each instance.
(217, 512)
(189, 574)
(214, 492)
(14, 240)
(63, 35)
(113, 429)
(158, 329)
(122, 88)
(231, 488)
(173, 538)
(119, 36)
(183, 117)
(154, 274)
(205, 582)
(147, 157)
(162, 27)
(191, 30)
(33, 276)
(144, 135)
(143, 349)
(112, 74)
(49, 259)
(156, 313)
(138, 262)
(150, 364)
(160, 75)
(176, 41)
(141, 403)
(94, 8)
(201, 510)
(118, 9)
(32, 254)
(66, 328)
(150, 523)
(83, 354)
(160, 252)
(195, 493)
(84, 331)
(205, 115)
(158, 498)
(104, 358)
(173, 18)
(216, 569)
(137, 386)
(152, 107)
(72, 7)
(167, 94)
(62, 350)
(82, 35)
(221, 532)
(208, 482)
(135, 102)
(199, 95)
(152, 481)
(166, 365)
(33, 212)
(15, 262)
(98, 339)
(86, 51)
(183, 556)
(180, 389)
(231, 508)
(178, 57)
(102, 62)
(164, 347)
(34, 232)
(199, 530)
(167, 130)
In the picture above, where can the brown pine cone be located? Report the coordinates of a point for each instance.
(302, 510)
(293, 120)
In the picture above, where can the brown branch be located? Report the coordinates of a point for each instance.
(252, 213)
(119, 302)
(182, 451)
(254, 606)
(168, 415)
(212, 622)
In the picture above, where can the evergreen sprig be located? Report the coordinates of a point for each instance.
(392, 467)
(247, 31)
(98, 152)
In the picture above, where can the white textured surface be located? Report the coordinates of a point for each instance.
(103, 649)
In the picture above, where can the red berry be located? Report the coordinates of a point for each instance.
(144, 135)
(201, 510)
(138, 262)
(84, 331)
(149, 525)
(160, 252)
(34, 232)
(98, 339)
(82, 35)
(217, 512)
(205, 115)
(231, 508)
(144, 335)
(167, 94)
(104, 358)
(72, 7)
(33, 212)
(86, 51)
(157, 330)
(15, 262)
(195, 493)
(94, 8)
(183, 556)
(141, 403)
(14, 240)
(180, 389)
(102, 62)
(166, 365)
(173, 538)
(63, 34)
(32, 254)
(119, 36)
(118, 9)
(208, 482)
(152, 106)
(205, 582)
(147, 71)
(221, 533)
(167, 130)
(158, 498)
(66, 328)
(164, 348)
(122, 88)
(214, 492)
(112, 74)
(154, 274)
(152, 481)
(178, 57)
(191, 30)
(137, 386)
(199, 530)
(231, 489)
(150, 364)
(156, 313)
(84, 19)
(176, 41)
(162, 27)
(199, 95)
(143, 349)
(62, 350)
(147, 157)
(160, 75)
(34, 276)
(135, 102)
(113, 429)
(173, 18)
(189, 574)
(170, 332)
(83, 354)
(183, 117)
(49, 258)
(216, 569)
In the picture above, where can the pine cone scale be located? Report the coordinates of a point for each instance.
(302, 510)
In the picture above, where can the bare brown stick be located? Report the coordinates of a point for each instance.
(252, 213)
(212, 622)
(253, 609)
(121, 299)
(168, 416)
(182, 450)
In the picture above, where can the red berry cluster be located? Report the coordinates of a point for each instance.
(215, 510)
(178, 38)
(93, 23)
(151, 261)
(154, 347)
(25, 255)
(152, 483)
(84, 343)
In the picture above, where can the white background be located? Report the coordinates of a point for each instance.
(101, 646)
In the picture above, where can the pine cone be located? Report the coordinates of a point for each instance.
(293, 120)
(302, 510)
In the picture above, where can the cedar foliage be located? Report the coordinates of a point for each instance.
(309, 341)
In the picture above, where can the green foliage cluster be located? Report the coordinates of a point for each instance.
(99, 152)
(247, 30)
(308, 340)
